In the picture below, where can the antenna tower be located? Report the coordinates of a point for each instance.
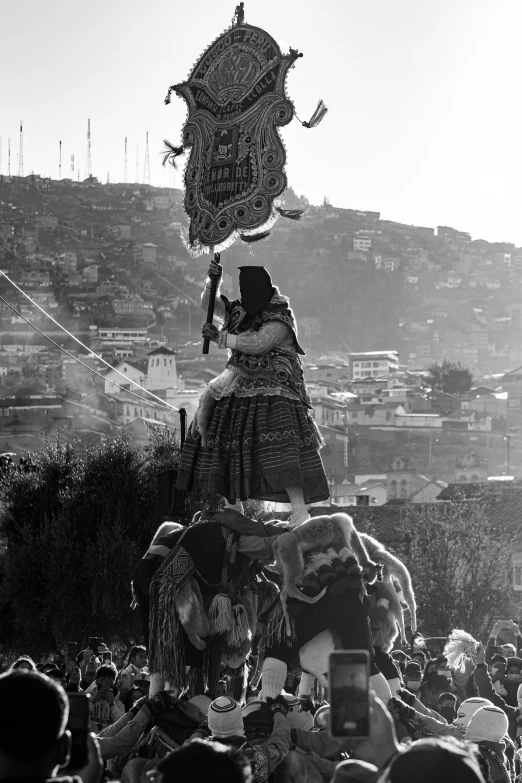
(125, 164)
(146, 168)
(72, 166)
(60, 166)
(88, 161)
(137, 162)
(21, 155)
(8, 157)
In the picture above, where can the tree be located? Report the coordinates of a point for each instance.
(459, 560)
(449, 377)
(71, 533)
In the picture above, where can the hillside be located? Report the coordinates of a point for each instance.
(357, 282)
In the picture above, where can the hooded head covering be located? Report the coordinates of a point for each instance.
(489, 724)
(514, 662)
(468, 708)
(255, 286)
(433, 760)
(225, 718)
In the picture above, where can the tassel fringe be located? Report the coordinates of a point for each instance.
(241, 630)
(171, 153)
(317, 116)
(220, 614)
(169, 93)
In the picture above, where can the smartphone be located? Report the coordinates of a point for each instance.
(72, 650)
(348, 686)
(79, 726)
(93, 643)
(107, 657)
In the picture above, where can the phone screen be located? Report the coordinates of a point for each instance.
(107, 657)
(79, 726)
(348, 689)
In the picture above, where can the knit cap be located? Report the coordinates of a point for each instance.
(487, 724)
(225, 718)
(433, 761)
(355, 771)
(468, 708)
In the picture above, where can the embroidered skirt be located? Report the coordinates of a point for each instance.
(255, 448)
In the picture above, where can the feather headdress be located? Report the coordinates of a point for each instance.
(460, 645)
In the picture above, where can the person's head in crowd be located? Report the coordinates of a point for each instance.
(420, 657)
(355, 771)
(206, 762)
(468, 708)
(131, 697)
(514, 669)
(448, 706)
(400, 658)
(142, 682)
(105, 677)
(47, 667)
(412, 676)
(434, 686)
(225, 719)
(498, 666)
(138, 656)
(443, 666)
(508, 650)
(258, 720)
(202, 703)
(488, 724)
(56, 674)
(435, 760)
(35, 752)
(24, 662)
(431, 668)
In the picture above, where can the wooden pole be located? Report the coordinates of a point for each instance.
(214, 280)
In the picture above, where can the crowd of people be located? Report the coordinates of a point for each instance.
(441, 723)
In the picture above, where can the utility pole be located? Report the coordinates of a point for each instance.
(21, 154)
(146, 168)
(88, 162)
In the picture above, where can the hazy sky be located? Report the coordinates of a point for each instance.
(424, 121)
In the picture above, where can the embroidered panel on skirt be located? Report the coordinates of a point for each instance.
(256, 447)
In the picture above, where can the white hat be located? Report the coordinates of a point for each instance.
(487, 724)
(467, 710)
(225, 718)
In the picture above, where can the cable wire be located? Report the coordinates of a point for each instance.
(166, 406)
(163, 402)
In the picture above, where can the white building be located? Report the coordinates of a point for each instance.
(162, 373)
(373, 364)
(362, 242)
(114, 382)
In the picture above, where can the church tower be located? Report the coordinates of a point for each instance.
(162, 373)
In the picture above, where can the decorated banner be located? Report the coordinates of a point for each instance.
(236, 103)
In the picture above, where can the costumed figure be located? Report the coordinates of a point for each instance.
(253, 436)
(324, 604)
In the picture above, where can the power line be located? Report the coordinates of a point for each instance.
(91, 369)
(73, 337)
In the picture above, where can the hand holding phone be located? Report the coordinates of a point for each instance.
(348, 685)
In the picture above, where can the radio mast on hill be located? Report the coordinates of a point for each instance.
(8, 157)
(60, 164)
(125, 164)
(21, 156)
(146, 168)
(88, 161)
